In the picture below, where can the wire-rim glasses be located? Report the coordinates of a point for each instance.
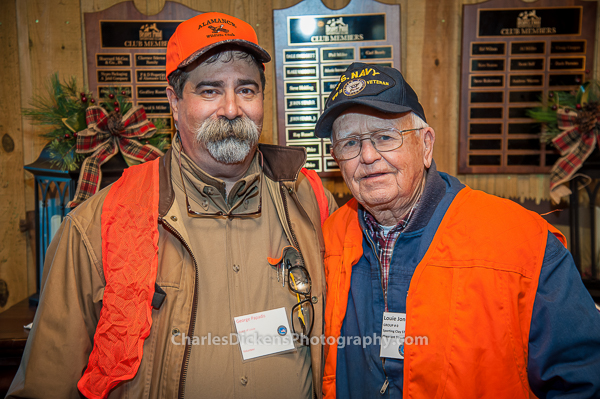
(383, 140)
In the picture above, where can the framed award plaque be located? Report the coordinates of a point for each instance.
(513, 54)
(127, 49)
(313, 47)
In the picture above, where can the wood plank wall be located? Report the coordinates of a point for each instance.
(40, 37)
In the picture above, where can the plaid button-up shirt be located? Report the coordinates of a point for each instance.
(384, 244)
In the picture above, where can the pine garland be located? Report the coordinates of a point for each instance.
(63, 110)
(587, 95)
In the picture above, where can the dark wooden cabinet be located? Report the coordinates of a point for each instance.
(13, 337)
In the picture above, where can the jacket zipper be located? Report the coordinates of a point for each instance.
(186, 356)
(386, 383)
(379, 264)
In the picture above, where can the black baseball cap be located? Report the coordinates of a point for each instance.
(375, 86)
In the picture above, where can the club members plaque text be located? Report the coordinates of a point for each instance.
(313, 47)
(511, 59)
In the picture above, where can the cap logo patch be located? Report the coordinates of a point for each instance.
(355, 86)
(216, 21)
(219, 29)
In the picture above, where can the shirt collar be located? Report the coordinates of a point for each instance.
(201, 186)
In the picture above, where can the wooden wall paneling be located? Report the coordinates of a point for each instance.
(13, 265)
(149, 7)
(99, 5)
(49, 41)
(440, 69)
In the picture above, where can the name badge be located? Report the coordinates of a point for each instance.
(264, 333)
(392, 335)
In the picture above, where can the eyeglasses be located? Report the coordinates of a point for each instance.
(300, 284)
(303, 311)
(194, 214)
(383, 140)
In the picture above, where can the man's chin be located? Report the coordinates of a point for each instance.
(230, 153)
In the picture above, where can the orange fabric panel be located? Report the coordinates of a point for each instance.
(473, 300)
(130, 261)
(343, 249)
(317, 186)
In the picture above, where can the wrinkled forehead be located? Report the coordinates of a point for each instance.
(362, 119)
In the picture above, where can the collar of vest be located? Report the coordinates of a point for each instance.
(289, 162)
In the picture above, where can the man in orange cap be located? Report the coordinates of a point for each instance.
(198, 274)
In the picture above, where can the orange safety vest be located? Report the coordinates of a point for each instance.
(129, 220)
(471, 295)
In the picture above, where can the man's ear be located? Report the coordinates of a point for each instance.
(428, 141)
(173, 102)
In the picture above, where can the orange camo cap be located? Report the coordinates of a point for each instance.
(199, 34)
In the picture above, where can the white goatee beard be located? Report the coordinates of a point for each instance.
(228, 141)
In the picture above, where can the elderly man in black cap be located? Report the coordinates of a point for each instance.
(434, 289)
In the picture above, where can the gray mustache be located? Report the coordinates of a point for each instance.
(241, 128)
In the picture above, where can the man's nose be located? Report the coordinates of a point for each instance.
(230, 107)
(368, 153)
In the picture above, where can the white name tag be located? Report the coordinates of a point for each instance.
(392, 335)
(264, 333)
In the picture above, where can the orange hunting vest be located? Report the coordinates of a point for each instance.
(471, 295)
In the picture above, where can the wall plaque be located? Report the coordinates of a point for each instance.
(304, 55)
(151, 60)
(372, 53)
(111, 76)
(126, 48)
(113, 60)
(146, 92)
(317, 47)
(528, 48)
(337, 54)
(513, 54)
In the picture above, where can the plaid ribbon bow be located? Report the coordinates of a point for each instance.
(575, 143)
(105, 135)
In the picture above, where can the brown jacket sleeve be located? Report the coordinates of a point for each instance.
(61, 339)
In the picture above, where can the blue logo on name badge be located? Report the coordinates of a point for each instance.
(281, 330)
(401, 350)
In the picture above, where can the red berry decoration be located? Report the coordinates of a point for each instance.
(554, 107)
(92, 100)
(116, 103)
(111, 96)
(146, 142)
(578, 106)
(117, 109)
(84, 99)
(577, 80)
(67, 136)
(587, 71)
(75, 134)
(551, 94)
(567, 110)
(82, 94)
(123, 93)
